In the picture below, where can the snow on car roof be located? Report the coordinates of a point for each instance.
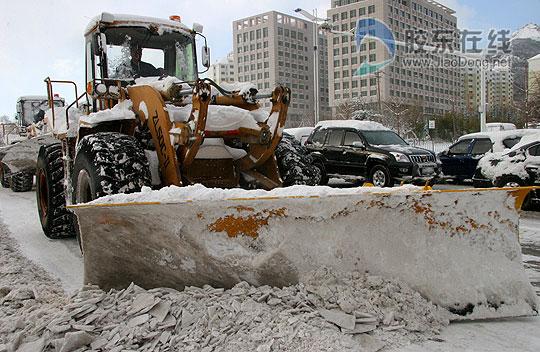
(497, 137)
(356, 124)
(133, 20)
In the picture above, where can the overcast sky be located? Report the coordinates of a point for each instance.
(45, 37)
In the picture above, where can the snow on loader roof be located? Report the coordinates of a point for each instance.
(222, 237)
(134, 20)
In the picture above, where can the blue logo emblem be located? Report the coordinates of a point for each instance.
(371, 28)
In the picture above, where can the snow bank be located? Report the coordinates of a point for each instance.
(353, 313)
(121, 111)
(360, 125)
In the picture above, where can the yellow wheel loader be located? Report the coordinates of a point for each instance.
(146, 119)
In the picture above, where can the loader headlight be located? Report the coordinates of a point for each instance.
(400, 157)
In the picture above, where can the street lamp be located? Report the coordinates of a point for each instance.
(315, 21)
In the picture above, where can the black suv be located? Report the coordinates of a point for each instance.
(367, 150)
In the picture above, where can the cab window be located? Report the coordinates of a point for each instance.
(350, 138)
(335, 137)
(482, 146)
(460, 148)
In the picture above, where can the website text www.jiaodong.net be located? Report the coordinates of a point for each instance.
(454, 62)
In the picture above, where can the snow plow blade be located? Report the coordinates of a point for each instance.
(459, 249)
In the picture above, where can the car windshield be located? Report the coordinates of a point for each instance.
(383, 138)
(140, 52)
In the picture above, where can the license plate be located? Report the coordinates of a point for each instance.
(428, 171)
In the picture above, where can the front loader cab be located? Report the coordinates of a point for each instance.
(31, 109)
(121, 48)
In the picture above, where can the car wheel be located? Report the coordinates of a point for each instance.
(324, 177)
(380, 176)
(509, 181)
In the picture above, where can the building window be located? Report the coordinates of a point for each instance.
(371, 9)
(265, 32)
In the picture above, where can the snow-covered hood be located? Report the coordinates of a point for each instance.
(495, 165)
(405, 149)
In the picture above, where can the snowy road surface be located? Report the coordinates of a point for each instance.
(62, 259)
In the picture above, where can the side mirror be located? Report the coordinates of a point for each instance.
(100, 44)
(197, 28)
(358, 145)
(205, 59)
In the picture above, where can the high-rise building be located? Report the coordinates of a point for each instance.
(524, 44)
(499, 89)
(436, 89)
(223, 71)
(274, 48)
(534, 74)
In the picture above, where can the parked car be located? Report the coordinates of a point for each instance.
(519, 166)
(460, 160)
(300, 133)
(351, 149)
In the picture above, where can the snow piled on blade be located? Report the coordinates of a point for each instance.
(276, 238)
(198, 192)
(121, 111)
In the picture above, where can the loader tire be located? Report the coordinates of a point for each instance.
(4, 176)
(379, 175)
(108, 163)
(21, 181)
(56, 221)
(296, 166)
